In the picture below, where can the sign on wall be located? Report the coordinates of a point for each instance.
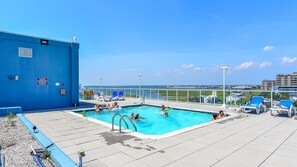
(42, 81)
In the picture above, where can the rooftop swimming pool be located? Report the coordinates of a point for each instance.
(152, 121)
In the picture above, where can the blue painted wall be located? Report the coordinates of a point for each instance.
(57, 62)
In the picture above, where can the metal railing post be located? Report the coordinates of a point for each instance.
(130, 93)
(187, 96)
(230, 98)
(176, 94)
(150, 94)
(214, 98)
(167, 94)
(200, 96)
(158, 95)
(271, 100)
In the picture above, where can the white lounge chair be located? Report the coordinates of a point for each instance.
(284, 106)
(103, 97)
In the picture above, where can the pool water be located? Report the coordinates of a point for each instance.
(152, 121)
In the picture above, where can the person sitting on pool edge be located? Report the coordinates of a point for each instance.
(99, 107)
(114, 106)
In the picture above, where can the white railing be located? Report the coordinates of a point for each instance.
(202, 96)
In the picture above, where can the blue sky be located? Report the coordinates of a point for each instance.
(168, 41)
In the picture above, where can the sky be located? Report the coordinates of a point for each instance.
(169, 42)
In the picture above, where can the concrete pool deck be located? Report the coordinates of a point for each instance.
(251, 140)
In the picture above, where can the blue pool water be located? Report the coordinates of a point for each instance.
(152, 122)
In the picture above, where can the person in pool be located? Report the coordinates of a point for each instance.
(214, 116)
(163, 108)
(132, 116)
(221, 114)
(166, 114)
(137, 117)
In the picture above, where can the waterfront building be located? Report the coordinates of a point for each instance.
(268, 84)
(286, 79)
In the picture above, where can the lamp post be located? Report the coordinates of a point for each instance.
(139, 75)
(101, 83)
(224, 68)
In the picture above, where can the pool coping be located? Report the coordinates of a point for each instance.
(156, 137)
(60, 158)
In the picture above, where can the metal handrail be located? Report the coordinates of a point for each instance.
(197, 95)
(122, 118)
(112, 124)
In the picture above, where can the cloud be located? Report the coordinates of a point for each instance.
(268, 48)
(198, 69)
(286, 60)
(187, 66)
(130, 69)
(179, 71)
(265, 64)
(245, 65)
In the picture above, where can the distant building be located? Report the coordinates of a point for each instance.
(286, 79)
(268, 84)
(291, 90)
(242, 87)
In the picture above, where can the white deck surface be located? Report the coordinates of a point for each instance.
(251, 140)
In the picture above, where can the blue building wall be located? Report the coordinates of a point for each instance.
(37, 82)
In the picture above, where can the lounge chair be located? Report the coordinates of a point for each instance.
(103, 97)
(121, 95)
(37, 159)
(255, 103)
(114, 95)
(284, 106)
(2, 159)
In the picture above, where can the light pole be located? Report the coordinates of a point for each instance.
(101, 83)
(139, 75)
(224, 68)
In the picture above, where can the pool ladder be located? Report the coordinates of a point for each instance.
(122, 119)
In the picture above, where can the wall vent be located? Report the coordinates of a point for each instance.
(25, 52)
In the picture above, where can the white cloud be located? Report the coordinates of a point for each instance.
(288, 60)
(268, 48)
(187, 66)
(179, 71)
(130, 69)
(198, 69)
(265, 64)
(245, 65)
